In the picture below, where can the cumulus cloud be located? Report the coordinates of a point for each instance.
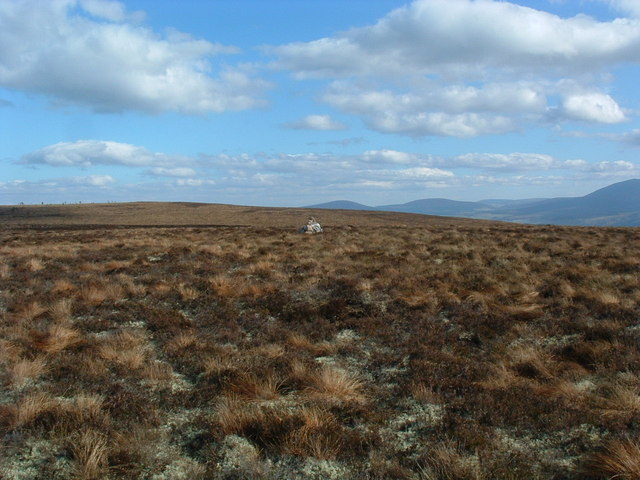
(85, 153)
(112, 64)
(441, 124)
(516, 97)
(316, 122)
(453, 110)
(455, 67)
(460, 38)
(592, 107)
(390, 157)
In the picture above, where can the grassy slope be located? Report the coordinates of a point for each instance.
(173, 214)
(442, 351)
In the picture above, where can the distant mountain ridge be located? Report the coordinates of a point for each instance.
(615, 205)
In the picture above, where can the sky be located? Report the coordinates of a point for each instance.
(293, 103)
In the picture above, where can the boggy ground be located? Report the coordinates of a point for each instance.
(437, 352)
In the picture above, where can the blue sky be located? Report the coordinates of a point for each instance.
(290, 103)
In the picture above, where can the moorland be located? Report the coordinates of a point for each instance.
(193, 341)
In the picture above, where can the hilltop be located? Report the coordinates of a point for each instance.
(204, 214)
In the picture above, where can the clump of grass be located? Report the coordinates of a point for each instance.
(88, 407)
(620, 399)
(25, 370)
(267, 425)
(187, 292)
(258, 387)
(298, 340)
(618, 459)
(447, 461)
(90, 453)
(336, 385)
(30, 311)
(224, 286)
(57, 338)
(319, 436)
(127, 348)
(34, 265)
(30, 407)
(531, 362)
(61, 310)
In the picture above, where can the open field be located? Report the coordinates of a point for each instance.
(430, 349)
(204, 214)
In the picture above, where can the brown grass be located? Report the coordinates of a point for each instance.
(30, 407)
(336, 385)
(618, 459)
(90, 453)
(61, 310)
(57, 338)
(447, 350)
(25, 370)
(128, 348)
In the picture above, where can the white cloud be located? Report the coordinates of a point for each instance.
(505, 162)
(59, 183)
(615, 166)
(194, 182)
(374, 176)
(441, 124)
(516, 97)
(592, 107)
(85, 153)
(630, 7)
(389, 156)
(316, 122)
(466, 68)
(92, 180)
(462, 38)
(110, 65)
(173, 172)
(109, 10)
(577, 164)
(419, 173)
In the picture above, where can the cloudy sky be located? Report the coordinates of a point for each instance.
(290, 102)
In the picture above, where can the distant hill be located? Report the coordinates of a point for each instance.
(503, 202)
(438, 206)
(342, 205)
(615, 205)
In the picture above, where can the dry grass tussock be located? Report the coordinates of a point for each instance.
(443, 349)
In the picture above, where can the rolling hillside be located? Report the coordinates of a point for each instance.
(615, 205)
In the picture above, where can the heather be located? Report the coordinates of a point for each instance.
(441, 350)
